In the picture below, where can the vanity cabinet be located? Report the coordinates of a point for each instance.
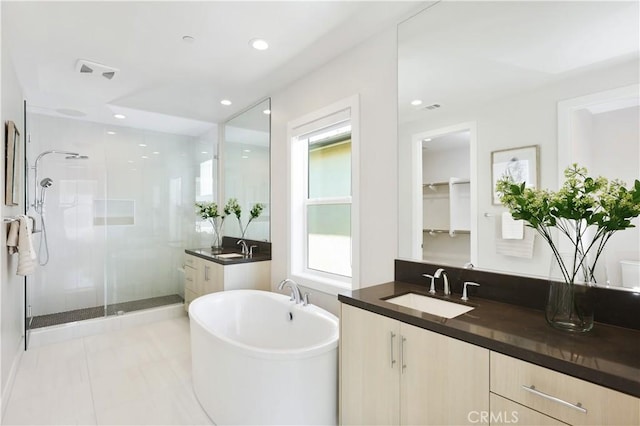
(204, 276)
(395, 373)
(559, 396)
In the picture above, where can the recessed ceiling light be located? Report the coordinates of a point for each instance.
(416, 102)
(266, 111)
(258, 44)
(142, 144)
(245, 156)
(246, 150)
(188, 39)
(426, 140)
(145, 157)
(156, 152)
(225, 102)
(204, 152)
(119, 116)
(111, 132)
(130, 161)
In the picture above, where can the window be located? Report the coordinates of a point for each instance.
(323, 206)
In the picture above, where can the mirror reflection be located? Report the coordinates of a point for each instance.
(559, 76)
(245, 160)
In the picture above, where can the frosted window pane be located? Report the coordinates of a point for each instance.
(329, 238)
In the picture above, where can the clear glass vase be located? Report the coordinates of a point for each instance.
(216, 245)
(570, 302)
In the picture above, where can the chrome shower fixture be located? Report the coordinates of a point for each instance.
(47, 182)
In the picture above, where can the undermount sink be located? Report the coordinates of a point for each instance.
(229, 255)
(430, 305)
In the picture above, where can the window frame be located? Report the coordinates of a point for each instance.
(298, 175)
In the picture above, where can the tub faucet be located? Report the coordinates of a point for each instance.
(443, 273)
(245, 249)
(295, 291)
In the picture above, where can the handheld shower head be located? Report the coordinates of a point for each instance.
(46, 182)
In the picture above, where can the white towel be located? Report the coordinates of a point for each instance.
(12, 237)
(26, 253)
(512, 229)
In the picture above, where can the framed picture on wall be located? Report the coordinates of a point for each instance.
(12, 147)
(519, 163)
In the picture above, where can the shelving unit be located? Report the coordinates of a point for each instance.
(446, 220)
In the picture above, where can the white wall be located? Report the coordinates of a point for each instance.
(11, 285)
(528, 118)
(370, 71)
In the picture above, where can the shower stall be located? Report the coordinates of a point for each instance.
(113, 208)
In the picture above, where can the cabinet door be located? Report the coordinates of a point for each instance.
(254, 275)
(443, 379)
(506, 412)
(211, 277)
(369, 358)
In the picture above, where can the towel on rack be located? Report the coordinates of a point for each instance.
(12, 236)
(19, 240)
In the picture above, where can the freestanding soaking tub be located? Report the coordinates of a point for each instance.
(258, 358)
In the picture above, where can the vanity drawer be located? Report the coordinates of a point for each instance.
(190, 260)
(505, 412)
(560, 396)
(190, 278)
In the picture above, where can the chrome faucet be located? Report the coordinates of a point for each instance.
(295, 291)
(432, 288)
(245, 249)
(441, 272)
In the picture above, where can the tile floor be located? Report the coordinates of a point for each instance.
(136, 376)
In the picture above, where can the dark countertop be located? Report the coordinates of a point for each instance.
(208, 254)
(607, 355)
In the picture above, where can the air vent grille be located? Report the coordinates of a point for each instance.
(86, 67)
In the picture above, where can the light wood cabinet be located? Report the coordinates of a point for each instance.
(395, 373)
(566, 398)
(506, 412)
(203, 277)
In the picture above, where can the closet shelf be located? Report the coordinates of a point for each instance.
(446, 231)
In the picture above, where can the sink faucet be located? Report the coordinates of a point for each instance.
(295, 291)
(443, 273)
(245, 249)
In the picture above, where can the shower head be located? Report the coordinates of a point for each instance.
(46, 182)
(77, 157)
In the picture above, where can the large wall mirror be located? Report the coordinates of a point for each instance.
(558, 76)
(246, 169)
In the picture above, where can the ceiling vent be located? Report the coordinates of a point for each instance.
(431, 107)
(93, 68)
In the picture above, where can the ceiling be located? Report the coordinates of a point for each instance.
(163, 82)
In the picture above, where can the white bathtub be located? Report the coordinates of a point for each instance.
(258, 358)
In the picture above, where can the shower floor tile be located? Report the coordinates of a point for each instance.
(98, 311)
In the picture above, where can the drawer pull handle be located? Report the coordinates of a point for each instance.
(393, 361)
(535, 391)
(402, 340)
